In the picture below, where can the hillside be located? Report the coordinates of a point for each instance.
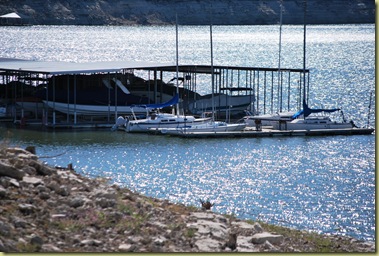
(189, 12)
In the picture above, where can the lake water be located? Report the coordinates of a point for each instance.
(324, 184)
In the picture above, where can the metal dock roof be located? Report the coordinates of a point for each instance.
(62, 67)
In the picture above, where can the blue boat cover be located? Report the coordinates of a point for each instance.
(171, 102)
(307, 111)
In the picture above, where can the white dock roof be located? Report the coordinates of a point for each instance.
(61, 67)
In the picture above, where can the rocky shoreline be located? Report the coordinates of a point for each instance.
(50, 209)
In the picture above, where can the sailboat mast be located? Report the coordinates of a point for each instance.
(304, 47)
(177, 63)
(212, 72)
(280, 50)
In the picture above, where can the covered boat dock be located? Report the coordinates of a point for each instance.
(271, 89)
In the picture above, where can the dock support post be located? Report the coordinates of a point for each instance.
(75, 120)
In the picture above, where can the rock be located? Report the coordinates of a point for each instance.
(41, 188)
(3, 192)
(10, 171)
(258, 228)
(90, 242)
(244, 228)
(50, 248)
(29, 170)
(44, 195)
(5, 182)
(265, 236)
(63, 190)
(126, 247)
(269, 247)
(232, 242)
(105, 203)
(58, 216)
(19, 152)
(32, 180)
(19, 223)
(108, 194)
(41, 168)
(2, 247)
(27, 208)
(14, 183)
(36, 241)
(208, 245)
(160, 241)
(76, 202)
(5, 229)
(53, 185)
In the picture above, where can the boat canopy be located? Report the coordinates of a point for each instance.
(171, 102)
(307, 111)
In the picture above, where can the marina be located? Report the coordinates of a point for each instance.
(324, 184)
(72, 93)
(69, 113)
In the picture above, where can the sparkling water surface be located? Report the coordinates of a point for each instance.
(325, 184)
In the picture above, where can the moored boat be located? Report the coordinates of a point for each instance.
(156, 120)
(92, 110)
(303, 120)
(313, 123)
(216, 126)
(223, 104)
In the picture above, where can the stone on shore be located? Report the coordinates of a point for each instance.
(261, 238)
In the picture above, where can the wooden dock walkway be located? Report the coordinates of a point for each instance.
(275, 133)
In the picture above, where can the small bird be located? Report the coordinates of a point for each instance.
(206, 205)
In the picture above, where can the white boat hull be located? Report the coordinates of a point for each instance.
(162, 121)
(312, 124)
(93, 110)
(207, 127)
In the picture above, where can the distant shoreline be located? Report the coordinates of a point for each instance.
(188, 12)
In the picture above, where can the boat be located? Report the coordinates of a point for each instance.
(99, 98)
(216, 126)
(313, 123)
(212, 126)
(156, 120)
(92, 110)
(31, 104)
(223, 103)
(303, 120)
(267, 119)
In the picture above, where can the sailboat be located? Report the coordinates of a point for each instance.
(212, 126)
(302, 119)
(155, 120)
(315, 122)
